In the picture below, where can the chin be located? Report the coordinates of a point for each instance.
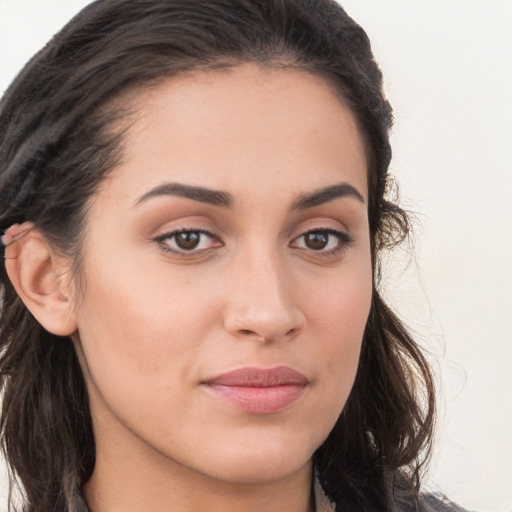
(261, 463)
(259, 470)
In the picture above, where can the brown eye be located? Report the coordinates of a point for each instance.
(188, 240)
(316, 241)
(323, 241)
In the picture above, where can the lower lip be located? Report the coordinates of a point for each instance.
(259, 400)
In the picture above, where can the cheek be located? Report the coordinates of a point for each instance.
(139, 351)
(341, 314)
(124, 330)
(142, 336)
(338, 315)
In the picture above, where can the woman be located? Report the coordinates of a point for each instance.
(193, 207)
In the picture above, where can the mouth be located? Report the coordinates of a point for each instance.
(258, 390)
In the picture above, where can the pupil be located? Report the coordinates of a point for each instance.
(187, 240)
(316, 240)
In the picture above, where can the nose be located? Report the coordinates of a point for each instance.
(263, 303)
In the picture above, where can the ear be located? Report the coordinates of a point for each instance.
(41, 280)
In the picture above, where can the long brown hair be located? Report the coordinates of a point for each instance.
(58, 141)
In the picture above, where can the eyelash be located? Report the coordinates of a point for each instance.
(344, 242)
(163, 242)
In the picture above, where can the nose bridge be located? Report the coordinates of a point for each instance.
(263, 303)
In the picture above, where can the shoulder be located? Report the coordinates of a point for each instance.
(436, 502)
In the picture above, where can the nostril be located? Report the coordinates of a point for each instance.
(250, 333)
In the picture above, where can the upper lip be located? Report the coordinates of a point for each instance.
(260, 377)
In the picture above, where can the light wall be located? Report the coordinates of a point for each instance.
(448, 74)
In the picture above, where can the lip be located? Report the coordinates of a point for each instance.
(259, 390)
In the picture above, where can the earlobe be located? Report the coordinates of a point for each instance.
(36, 273)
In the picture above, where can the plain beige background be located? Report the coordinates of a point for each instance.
(448, 74)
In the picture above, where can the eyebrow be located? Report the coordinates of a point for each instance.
(326, 194)
(200, 194)
(224, 199)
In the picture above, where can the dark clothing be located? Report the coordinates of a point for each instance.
(429, 503)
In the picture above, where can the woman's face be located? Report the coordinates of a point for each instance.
(227, 276)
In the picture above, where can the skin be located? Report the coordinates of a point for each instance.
(154, 321)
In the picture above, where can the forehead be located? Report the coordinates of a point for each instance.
(226, 127)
